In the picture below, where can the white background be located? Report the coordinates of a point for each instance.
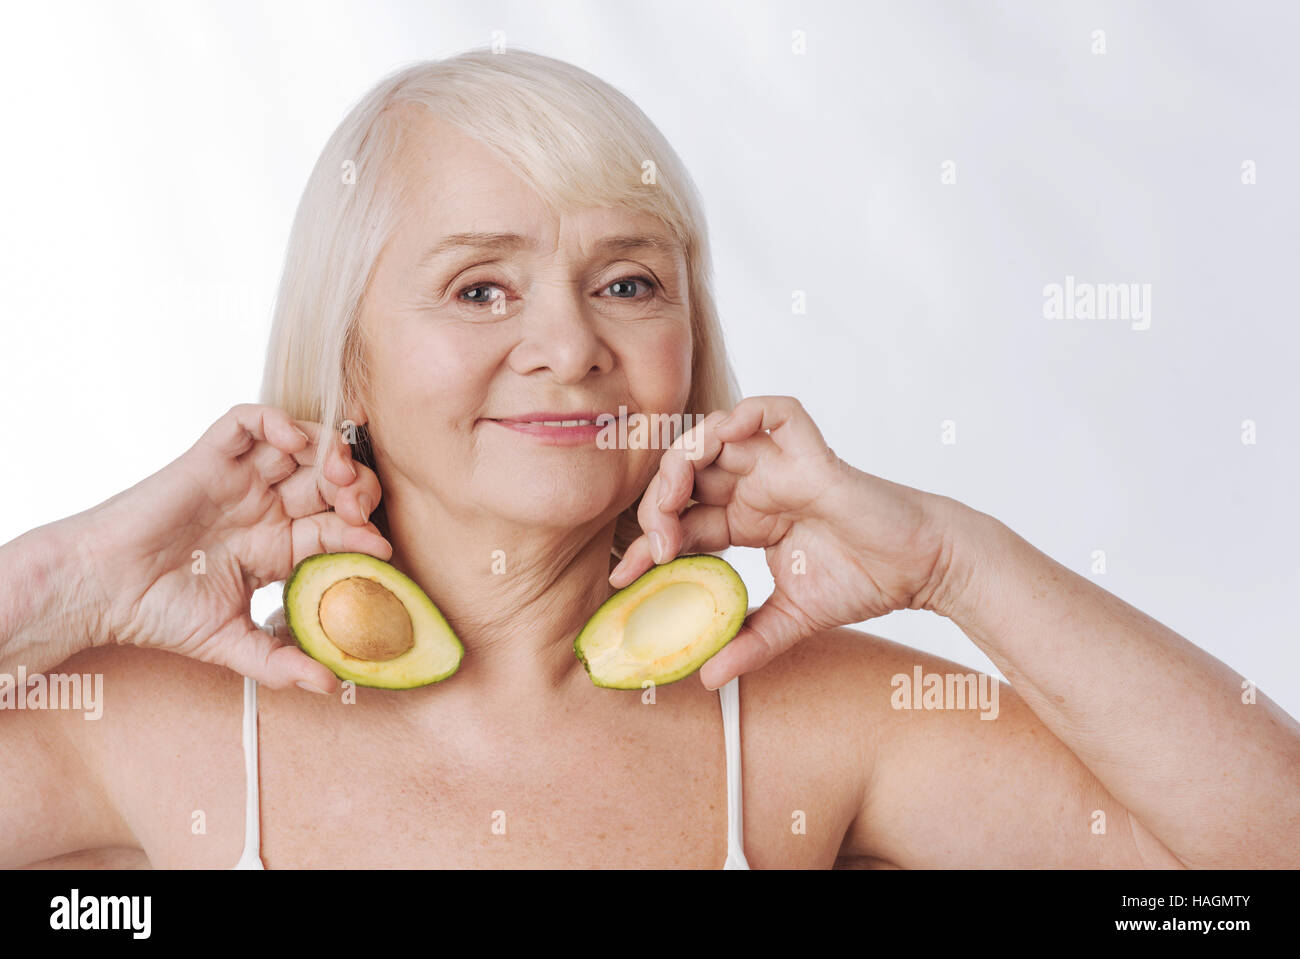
(153, 156)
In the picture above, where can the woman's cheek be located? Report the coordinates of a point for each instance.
(443, 366)
(660, 371)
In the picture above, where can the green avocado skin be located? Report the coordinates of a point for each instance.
(298, 629)
(618, 597)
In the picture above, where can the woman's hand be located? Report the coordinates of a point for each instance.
(843, 546)
(173, 561)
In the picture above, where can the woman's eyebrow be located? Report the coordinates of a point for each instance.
(637, 241)
(475, 241)
(624, 243)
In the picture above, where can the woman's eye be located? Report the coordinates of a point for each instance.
(484, 294)
(626, 285)
(485, 298)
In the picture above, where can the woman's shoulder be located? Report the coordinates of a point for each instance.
(865, 683)
(816, 720)
(164, 735)
(127, 672)
(145, 700)
(843, 673)
(808, 741)
(841, 660)
(137, 701)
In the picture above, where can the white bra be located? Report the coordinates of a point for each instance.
(728, 695)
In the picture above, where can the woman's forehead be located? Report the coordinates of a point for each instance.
(455, 186)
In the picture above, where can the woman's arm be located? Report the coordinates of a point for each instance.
(173, 561)
(54, 803)
(48, 610)
(1207, 771)
(1207, 764)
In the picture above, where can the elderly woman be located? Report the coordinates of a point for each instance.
(490, 244)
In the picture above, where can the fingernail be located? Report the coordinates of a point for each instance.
(364, 502)
(303, 684)
(353, 470)
(305, 437)
(658, 547)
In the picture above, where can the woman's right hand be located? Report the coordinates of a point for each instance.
(174, 560)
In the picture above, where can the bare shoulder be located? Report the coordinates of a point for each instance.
(150, 689)
(828, 684)
(160, 742)
(808, 744)
(817, 720)
(936, 764)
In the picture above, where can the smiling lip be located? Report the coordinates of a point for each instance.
(574, 428)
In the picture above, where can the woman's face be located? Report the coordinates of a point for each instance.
(471, 342)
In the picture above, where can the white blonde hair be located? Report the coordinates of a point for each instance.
(572, 137)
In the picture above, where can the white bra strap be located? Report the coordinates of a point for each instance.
(251, 856)
(729, 694)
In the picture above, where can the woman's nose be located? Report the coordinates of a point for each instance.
(560, 335)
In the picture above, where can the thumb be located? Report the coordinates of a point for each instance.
(768, 632)
(269, 655)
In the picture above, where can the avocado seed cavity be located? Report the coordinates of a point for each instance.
(365, 620)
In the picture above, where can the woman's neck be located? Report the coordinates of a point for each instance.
(515, 596)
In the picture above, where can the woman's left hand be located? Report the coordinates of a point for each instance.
(843, 546)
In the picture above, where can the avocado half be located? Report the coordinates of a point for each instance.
(665, 625)
(368, 622)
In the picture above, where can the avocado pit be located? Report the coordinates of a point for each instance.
(365, 620)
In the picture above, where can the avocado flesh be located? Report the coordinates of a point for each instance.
(665, 625)
(368, 622)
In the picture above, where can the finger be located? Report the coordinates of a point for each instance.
(278, 626)
(329, 533)
(714, 486)
(649, 517)
(272, 465)
(679, 473)
(703, 529)
(304, 494)
(247, 423)
(768, 632)
(670, 488)
(275, 664)
(782, 416)
(635, 561)
(338, 467)
(691, 452)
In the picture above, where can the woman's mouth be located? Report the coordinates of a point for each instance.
(558, 429)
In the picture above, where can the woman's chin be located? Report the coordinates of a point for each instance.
(567, 509)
